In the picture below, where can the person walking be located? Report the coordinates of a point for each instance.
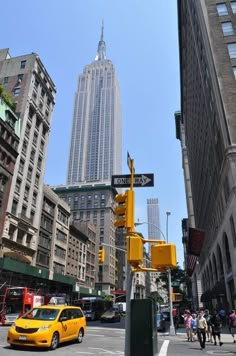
(201, 329)
(194, 327)
(216, 327)
(187, 322)
(232, 324)
(208, 318)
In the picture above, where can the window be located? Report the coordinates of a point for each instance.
(27, 130)
(5, 80)
(232, 49)
(26, 194)
(39, 162)
(22, 64)
(16, 91)
(222, 9)
(29, 173)
(3, 183)
(14, 206)
(24, 147)
(34, 200)
(35, 138)
(37, 180)
(18, 185)
(227, 28)
(20, 77)
(233, 6)
(234, 70)
(233, 232)
(21, 166)
(32, 155)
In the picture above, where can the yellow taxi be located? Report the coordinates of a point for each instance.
(47, 326)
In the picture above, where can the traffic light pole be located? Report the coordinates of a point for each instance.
(129, 296)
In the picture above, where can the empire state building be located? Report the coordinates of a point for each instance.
(96, 137)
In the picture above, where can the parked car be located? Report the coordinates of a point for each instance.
(47, 326)
(110, 316)
(161, 322)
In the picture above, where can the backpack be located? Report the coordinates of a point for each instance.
(233, 321)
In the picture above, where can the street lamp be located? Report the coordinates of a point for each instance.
(172, 327)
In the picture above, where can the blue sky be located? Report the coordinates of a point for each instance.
(142, 41)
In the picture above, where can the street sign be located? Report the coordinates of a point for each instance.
(140, 180)
(175, 284)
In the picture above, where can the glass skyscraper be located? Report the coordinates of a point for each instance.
(96, 138)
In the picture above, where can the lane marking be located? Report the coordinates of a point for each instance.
(164, 347)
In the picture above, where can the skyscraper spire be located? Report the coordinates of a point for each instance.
(101, 51)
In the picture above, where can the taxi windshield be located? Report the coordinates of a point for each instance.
(41, 314)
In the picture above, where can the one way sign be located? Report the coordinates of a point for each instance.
(140, 180)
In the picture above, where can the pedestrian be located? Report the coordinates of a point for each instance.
(208, 318)
(232, 324)
(216, 327)
(222, 314)
(187, 323)
(194, 326)
(201, 329)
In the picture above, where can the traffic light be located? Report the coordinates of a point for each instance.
(125, 209)
(134, 247)
(101, 255)
(176, 297)
(163, 255)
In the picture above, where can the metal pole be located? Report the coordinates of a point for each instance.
(172, 327)
(129, 296)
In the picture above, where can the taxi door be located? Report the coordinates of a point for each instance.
(65, 326)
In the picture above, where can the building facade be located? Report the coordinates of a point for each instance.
(94, 204)
(9, 141)
(96, 138)
(28, 82)
(207, 42)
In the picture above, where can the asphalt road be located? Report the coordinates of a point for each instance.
(100, 339)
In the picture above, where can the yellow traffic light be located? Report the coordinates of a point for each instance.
(125, 209)
(176, 297)
(101, 255)
(163, 255)
(134, 250)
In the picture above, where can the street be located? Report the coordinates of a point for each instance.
(109, 339)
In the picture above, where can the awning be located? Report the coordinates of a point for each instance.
(206, 296)
(195, 241)
(219, 289)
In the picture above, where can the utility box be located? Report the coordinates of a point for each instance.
(143, 333)
(163, 255)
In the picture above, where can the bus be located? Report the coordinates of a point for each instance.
(16, 301)
(93, 307)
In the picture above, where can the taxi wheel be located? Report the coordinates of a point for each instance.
(80, 336)
(55, 341)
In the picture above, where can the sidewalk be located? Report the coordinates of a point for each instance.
(226, 337)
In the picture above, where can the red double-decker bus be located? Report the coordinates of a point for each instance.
(16, 301)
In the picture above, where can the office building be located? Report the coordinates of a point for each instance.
(207, 43)
(96, 138)
(9, 141)
(153, 219)
(32, 90)
(94, 204)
